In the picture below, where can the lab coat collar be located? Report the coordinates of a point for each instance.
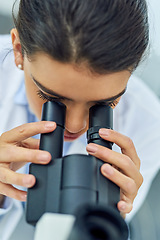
(77, 147)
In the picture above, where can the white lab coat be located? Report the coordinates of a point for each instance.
(137, 116)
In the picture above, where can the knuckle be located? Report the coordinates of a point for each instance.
(138, 163)
(28, 155)
(3, 135)
(141, 180)
(127, 162)
(32, 156)
(22, 129)
(131, 187)
(3, 176)
(130, 143)
(10, 153)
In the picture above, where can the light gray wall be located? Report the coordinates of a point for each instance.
(149, 70)
(6, 22)
(154, 19)
(6, 7)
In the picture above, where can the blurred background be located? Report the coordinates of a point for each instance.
(145, 225)
(6, 16)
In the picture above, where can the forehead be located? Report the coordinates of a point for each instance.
(75, 82)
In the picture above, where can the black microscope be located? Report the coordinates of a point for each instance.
(74, 184)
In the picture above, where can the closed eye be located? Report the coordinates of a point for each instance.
(43, 96)
(111, 103)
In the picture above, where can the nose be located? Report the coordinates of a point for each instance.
(76, 118)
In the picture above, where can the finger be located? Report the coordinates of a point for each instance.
(7, 176)
(126, 184)
(10, 191)
(28, 130)
(31, 143)
(123, 162)
(125, 207)
(10, 154)
(124, 142)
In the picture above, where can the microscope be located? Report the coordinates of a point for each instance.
(73, 184)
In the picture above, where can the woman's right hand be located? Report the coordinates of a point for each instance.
(17, 147)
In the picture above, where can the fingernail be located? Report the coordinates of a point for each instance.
(104, 132)
(50, 125)
(43, 157)
(107, 170)
(91, 148)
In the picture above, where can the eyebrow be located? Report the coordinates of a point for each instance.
(51, 92)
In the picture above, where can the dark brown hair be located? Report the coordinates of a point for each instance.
(108, 35)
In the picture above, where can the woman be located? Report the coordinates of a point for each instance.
(80, 55)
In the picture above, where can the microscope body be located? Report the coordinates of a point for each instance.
(71, 181)
(68, 183)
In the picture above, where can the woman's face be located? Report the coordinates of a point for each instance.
(77, 88)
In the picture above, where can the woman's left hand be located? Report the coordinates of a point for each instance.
(120, 168)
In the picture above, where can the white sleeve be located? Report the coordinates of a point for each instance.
(10, 214)
(10, 219)
(138, 116)
(7, 205)
(12, 209)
